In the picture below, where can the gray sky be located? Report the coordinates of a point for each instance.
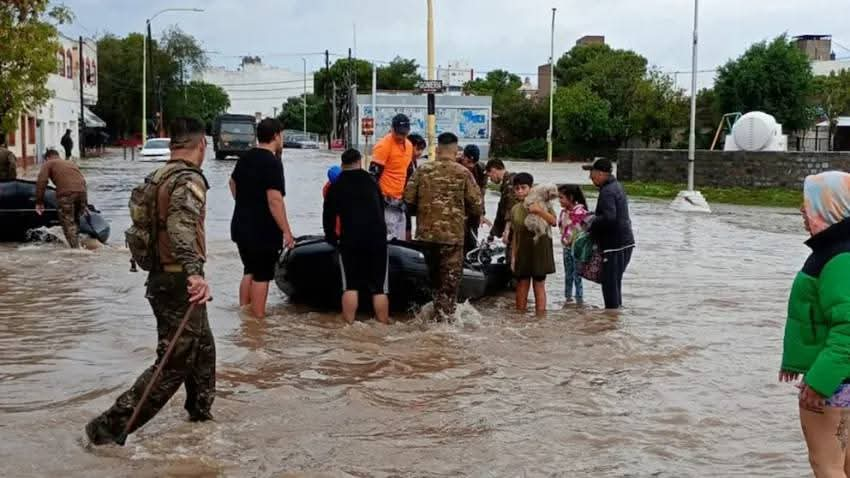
(489, 34)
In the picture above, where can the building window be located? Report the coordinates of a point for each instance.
(31, 128)
(12, 138)
(69, 64)
(88, 71)
(60, 63)
(93, 73)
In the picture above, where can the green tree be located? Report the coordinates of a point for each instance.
(832, 98)
(659, 108)
(28, 48)
(119, 83)
(399, 75)
(292, 114)
(614, 76)
(773, 77)
(495, 83)
(582, 118)
(198, 99)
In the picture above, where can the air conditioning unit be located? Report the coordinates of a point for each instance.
(756, 131)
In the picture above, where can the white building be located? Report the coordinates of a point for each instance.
(454, 76)
(257, 89)
(43, 129)
(824, 68)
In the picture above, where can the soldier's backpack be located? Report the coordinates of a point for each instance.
(142, 236)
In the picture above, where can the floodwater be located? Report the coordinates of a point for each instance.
(682, 384)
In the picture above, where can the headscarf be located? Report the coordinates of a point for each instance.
(826, 199)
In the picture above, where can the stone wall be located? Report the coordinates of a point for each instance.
(728, 169)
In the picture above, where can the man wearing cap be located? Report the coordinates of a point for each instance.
(392, 158)
(611, 230)
(470, 160)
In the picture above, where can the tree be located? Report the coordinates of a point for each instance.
(659, 107)
(28, 48)
(494, 84)
(399, 75)
(614, 76)
(119, 85)
(199, 100)
(582, 117)
(773, 77)
(832, 98)
(292, 114)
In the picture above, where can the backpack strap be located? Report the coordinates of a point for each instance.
(158, 179)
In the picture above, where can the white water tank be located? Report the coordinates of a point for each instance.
(756, 131)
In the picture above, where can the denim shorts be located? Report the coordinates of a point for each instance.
(841, 398)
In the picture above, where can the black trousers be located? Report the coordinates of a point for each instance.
(614, 265)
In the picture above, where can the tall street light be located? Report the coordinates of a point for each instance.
(691, 200)
(432, 118)
(305, 97)
(551, 89)
(147, 38)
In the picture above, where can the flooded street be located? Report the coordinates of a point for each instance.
(683, 383)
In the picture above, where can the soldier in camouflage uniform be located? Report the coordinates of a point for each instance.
(179, 281)
(71, 194)
(442, 195)
(8, 162)
(497, 173)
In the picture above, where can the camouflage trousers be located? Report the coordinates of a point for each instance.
(191, 364)
(70, 208)
(445, 266)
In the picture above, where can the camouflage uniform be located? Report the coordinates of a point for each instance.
(442, 195)
(8, 165)
(506, 204)
(181, 207)
(70, 208)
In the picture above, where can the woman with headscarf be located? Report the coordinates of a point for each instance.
(817, 332)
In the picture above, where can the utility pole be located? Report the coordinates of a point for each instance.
(333, 115)
(549, 132)
(350, 115)
(327, 96)
(305, 96)
(432, 118)
(150, 63)
(145, 84)
(82, 125)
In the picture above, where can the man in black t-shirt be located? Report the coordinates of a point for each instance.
(260, 226)
(357, 201)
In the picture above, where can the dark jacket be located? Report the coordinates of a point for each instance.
(612, 227)
(67, 142)
(817, 331)
(358, 202)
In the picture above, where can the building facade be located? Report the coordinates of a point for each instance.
(257, 89)
(43, 128)
(454, 77)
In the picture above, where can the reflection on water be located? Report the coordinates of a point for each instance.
(680, 384)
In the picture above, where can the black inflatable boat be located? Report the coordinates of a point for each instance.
(18, 216)
(309, 274)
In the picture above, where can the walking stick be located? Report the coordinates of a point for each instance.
(122, 438)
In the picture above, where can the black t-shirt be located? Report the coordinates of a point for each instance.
(357, 200)
(253, 225)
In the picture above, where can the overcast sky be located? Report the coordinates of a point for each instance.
(489, 34)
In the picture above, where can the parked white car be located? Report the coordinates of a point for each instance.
(157, 149)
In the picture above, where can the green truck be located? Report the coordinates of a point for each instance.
(233, 135)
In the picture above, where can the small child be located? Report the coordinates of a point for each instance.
(333, 176)
(531, 261)
(572, 221)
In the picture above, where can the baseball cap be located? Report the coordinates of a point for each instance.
(472, 152)
(599, 164)
(401, 124)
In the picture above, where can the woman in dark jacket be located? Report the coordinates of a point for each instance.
(817, 331)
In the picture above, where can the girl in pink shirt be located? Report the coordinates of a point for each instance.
(572, 221)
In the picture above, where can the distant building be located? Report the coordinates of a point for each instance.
(454, 76)
(257, 89)
(591, 40)
(816, 47)
(528, 90)
(43, 128)
(544, 79)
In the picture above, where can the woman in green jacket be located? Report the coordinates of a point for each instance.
(817, 331)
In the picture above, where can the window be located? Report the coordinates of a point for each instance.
(93, 73)
(60, 63)
(69, 64)
(88, 71)
(12, 138)
(31, 128)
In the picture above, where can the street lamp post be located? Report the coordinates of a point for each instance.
(432, 117)
(549, 132)
(305, 97)
(146, 39)
(691, 200)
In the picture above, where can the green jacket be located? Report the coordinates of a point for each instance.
(817, 331)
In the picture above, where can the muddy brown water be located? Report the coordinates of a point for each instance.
(683, 383)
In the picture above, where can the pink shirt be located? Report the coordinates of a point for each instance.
(571, 223)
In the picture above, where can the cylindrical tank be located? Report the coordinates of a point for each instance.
(755, 130)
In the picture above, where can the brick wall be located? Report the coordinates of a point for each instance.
(724, 169)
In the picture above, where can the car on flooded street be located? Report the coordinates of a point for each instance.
(156, 149)
(300, 142)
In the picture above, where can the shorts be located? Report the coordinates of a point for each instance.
(396, 219)
(365, 271)
(841, 398)
(258, 262)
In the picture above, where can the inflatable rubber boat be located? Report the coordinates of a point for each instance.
(18, 216)
(309, 274)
